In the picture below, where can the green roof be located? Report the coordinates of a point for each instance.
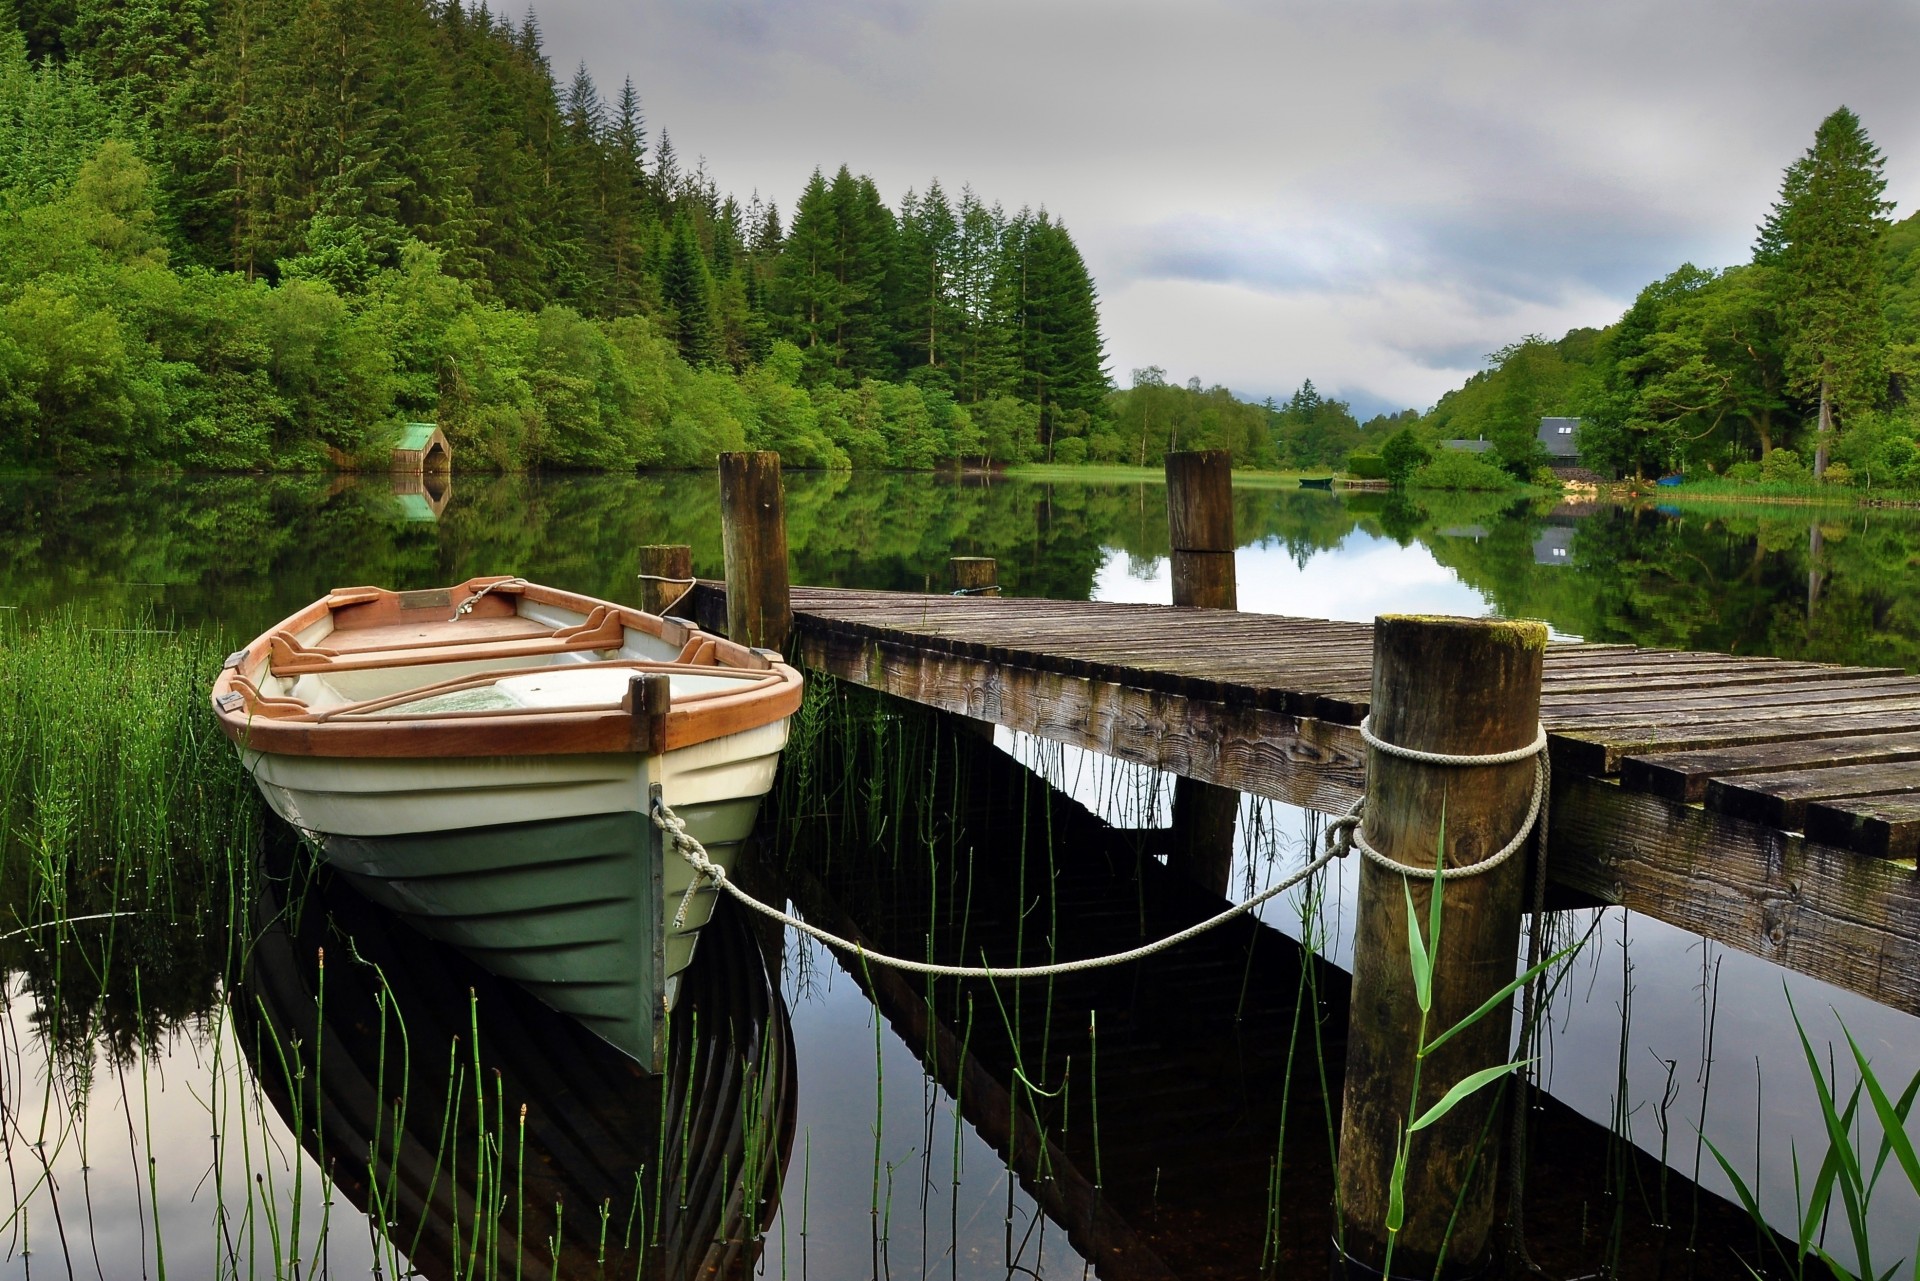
(414, 436)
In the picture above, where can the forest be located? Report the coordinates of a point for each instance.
(1796, 366)
(241, 234)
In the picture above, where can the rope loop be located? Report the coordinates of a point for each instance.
(685, 585)
(1344, 833)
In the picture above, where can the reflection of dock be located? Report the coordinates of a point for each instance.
(1144, 1107)
(1658, 755)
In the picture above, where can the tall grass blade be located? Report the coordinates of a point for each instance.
(1465, 1086)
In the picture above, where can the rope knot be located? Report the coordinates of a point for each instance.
(1344, 833)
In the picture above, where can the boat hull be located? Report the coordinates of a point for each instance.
(548, 869)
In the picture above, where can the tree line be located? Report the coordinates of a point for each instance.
(1796, 365)
(243, 233)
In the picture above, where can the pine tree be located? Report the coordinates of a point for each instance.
(623, 197)
(805, 292)
(863, 261)
(979, 345)
(1053, 323)
(926, 315)
(687, 289)
(1822, 240)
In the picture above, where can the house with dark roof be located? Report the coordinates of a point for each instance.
(1556, 436)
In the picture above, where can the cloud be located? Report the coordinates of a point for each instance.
(1369, 193)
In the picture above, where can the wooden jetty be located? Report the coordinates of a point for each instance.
(1773, 806)
(1770, 805)
(1766, 804)
(1183, 1059)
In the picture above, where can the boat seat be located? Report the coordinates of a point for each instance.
(603, 629)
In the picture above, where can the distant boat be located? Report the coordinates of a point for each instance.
(1316, 482)
(482, 759)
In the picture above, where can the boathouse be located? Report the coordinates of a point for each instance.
(420, 448)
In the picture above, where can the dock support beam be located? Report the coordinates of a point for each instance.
(661, 564)
(1462, 687)
(1200, 520)
(753, 530)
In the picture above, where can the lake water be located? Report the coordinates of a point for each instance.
(160, 1148)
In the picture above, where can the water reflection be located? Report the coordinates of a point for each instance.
(246, 550)
(1174, 1116)
(477, 1124)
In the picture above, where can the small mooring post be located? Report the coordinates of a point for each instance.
(753, 530)
(664, 569)
(1462, 687)
(1200, 519)
(975, 575)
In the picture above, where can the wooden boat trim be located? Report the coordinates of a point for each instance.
(279, 725)
(542, 732)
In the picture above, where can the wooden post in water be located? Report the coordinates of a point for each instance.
(975, 575)
(661, 564)
(1200, 519)
(753, 530)
(1463, 687)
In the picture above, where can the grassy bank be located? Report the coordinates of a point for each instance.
(1805, 493)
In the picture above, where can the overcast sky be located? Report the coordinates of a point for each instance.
(1369, 194)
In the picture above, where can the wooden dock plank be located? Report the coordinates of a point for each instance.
(1686, 775)
(1789, 899)
(1266, 704)
(1884, 827)
(1780, 798)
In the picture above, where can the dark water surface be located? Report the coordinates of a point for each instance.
(160, 1135)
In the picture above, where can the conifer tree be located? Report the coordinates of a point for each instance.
(1822, 238)
(1053, 325)
(805, 290)
(979, 345)
(926, 308)
(687, 289)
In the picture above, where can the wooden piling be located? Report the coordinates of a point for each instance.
(753, 529)
(1467, 687)
(1200, 520)
(661, 564)
(975, 575)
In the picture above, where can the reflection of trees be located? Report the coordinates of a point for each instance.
(247, 550)
(1732, 582)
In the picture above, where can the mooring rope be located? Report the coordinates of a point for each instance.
(1344, 832)
(466, 606)
(689, 848)
(685, 585)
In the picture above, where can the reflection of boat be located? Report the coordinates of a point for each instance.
(480, 758)
(1316, 482)
(686, 1167)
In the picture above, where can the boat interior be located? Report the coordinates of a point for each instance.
(486, 647)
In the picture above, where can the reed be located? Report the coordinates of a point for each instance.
(1843, 1169)
(117, 792)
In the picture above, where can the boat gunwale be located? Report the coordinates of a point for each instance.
(247, 718)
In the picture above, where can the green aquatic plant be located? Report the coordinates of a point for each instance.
(1841, 1169)
(1421, 952)
(118, 793)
